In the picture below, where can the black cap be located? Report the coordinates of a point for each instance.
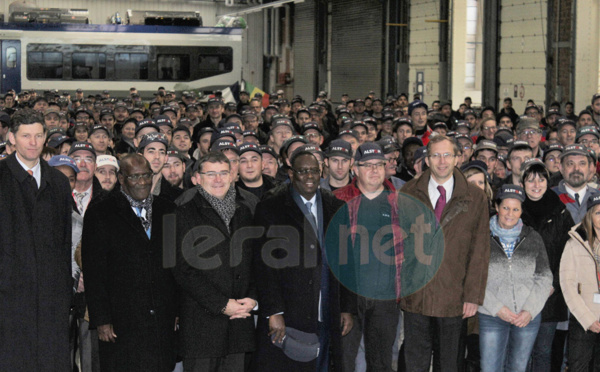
(369, 151)
(182, 128)
(152, 137)
(222, 145)
(96, 128)
(266, 149)
(288, 142)
(509, 191)
(249, 146)
(172, 151)
(146, 123)
(310, 125)
(339, 147)
(163, 120)
(415, 104)
(83, 146)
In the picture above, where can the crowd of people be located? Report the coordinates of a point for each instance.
(370, 235)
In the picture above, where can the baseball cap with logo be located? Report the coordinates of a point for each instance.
(511, 192)
(339, 147)
(60, 160)
(107, 160)
(150, 138)
(84, 146)
(369, 151)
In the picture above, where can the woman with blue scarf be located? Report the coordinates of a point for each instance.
(518, 285)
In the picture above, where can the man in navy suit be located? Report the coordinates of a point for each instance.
(296, 286)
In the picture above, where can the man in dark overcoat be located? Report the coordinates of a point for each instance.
(35, 254)
(213, 271)
(296, 287)
(131, 296)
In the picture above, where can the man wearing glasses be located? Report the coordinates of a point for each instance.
(87, 187)
(458, 286)
(529, 130)
(131, 296)
(371, 211)
(216, 287)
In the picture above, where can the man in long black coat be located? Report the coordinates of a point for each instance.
(296, 295)
(131, 296)
(35, 254)
(214, 272)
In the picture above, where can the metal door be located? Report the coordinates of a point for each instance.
(11, 66)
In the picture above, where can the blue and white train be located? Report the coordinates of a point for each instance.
(118, 57)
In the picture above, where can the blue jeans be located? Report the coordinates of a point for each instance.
(504, 346)
(541, 356)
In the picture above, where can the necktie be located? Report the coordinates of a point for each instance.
(79, 199)
(30, 172)
(312, 216)
(441, 203)
(139, 214)
(577, 200)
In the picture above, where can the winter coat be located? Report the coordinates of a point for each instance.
(522, 282)
(579, 278)
(462, 274)
(35, 269)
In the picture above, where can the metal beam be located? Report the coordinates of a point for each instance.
(258, 8)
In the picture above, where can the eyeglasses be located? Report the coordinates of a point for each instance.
(87, 159)
(586, 143)
(467, 147)
(530, 132)
(445, 156)
(307, 171)
(490, 128)
(222, 174)
(372, 166)
(138, 177)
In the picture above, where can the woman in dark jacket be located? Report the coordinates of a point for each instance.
(546, 214)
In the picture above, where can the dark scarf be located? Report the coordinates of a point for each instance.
(225, 208)
(143, 204)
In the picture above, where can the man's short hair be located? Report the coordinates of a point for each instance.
(212, 157)
(26, 116)
(440, 138)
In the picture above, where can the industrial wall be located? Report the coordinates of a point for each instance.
(522, 54)
(357, 48)
(252, 50)
(424, 68)
(304, 50)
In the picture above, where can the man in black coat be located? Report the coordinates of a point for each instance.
(35, 254)
(303, 294)
(214, 272)
(131, 296)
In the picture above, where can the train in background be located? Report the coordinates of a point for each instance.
(118, 57)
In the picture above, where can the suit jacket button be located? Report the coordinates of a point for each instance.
(152, 312)
(310, 281)
(238, 277)
(312, 246)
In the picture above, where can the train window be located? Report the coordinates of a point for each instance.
(89, 66)
(131, 66)
(173, 67)
(11, 57)
(44, 65)
(214, 61)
